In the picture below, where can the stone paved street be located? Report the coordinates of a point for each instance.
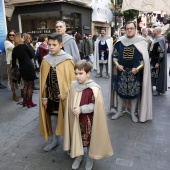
(137, 146)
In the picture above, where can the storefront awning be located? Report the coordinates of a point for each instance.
(82, 2)
(32, 2)
(147, 5)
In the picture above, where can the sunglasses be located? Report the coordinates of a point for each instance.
(12, 35)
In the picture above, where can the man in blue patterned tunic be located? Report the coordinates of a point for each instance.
(132, 75)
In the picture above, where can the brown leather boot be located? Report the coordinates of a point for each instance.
(15, 98)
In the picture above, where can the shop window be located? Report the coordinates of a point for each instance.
(78, 22)
(39, 23)
(72, 20)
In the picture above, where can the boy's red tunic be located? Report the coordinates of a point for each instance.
(86, 120)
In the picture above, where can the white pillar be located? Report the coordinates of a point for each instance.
(20, 25)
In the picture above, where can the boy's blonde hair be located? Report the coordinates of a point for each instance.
(18, 39)
(83, 65)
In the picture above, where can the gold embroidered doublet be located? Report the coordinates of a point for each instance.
(128, 53)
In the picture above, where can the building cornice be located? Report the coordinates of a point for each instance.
(15, 3)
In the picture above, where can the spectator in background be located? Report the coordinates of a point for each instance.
(28, 42)
(36, 39)
(43, 48)
(37, 53)
(90, 37)
(88, 46)
(122, 31)
(35, 60)
(79, 43)
(22, 53)
(9, 45)
(69, 31)
(74, 33)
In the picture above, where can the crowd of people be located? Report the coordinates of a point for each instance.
(71, 104)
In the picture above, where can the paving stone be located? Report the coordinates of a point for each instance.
(143, 146)
(21, 164)
(141, 155)
(124, 162)
(164, 165)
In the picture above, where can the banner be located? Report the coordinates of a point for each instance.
(147, 5)
(2, 27)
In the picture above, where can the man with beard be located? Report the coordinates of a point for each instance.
(131, 76)
(122, 31)
(102, 54)
(69, 43)
(158, 55)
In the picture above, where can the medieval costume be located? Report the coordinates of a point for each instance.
(149, 41)
(132, 53)
(102, 55)
(90, 129)
(70, 47)
(56, 74)
(158, 55)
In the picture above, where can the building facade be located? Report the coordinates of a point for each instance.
(41, 18)
(101, 16)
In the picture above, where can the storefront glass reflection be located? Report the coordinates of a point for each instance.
(44, 23)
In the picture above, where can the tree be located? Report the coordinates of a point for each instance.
(128, 15)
